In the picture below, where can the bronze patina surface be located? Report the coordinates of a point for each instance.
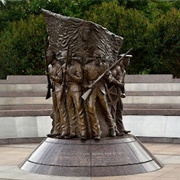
(86, 75)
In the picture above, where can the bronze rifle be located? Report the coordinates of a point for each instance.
(49, 86)
(87, 93)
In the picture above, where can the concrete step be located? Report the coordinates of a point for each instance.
(151, 78)
(151, 106)
(166, 87)
(19, 88)
(151, 100)
(24, 100)
(24, 112)
(27, 93)
(23, 94)
(20, 79)
(26, 107)
(152, 93)
(46, 112)
(160, 112)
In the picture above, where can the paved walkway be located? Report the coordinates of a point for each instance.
(12, 155)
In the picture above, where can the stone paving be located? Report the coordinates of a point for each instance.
(12, 155)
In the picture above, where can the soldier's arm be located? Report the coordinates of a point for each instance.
(77, 76)
(58, 76)
(123, 76)
(112, 79)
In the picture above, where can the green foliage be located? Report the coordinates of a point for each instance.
(11, 12)
(22, 47)
(150, 27)
(167, 44)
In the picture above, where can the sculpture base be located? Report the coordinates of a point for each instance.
(107, 157)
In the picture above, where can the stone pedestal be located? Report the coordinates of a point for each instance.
(107, 157)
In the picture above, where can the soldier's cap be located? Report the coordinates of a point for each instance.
(126, 56)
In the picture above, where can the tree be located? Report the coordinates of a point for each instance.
(150, 27)
(161, 44)
(22, 47)
(166, 44)
(12, 11)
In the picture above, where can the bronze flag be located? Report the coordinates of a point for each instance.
(86, 40)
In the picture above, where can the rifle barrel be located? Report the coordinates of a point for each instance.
(48, 79)
(87, 93)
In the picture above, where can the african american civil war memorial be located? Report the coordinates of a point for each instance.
(86, 80)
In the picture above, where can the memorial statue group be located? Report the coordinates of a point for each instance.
(76, 94)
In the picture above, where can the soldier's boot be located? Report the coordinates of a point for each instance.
(53, 135)
(112, 132)
(125, 131)
(119, 133)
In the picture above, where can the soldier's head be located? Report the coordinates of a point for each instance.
(97, 61)
(61, 57)
(125, 60)
(86, 31)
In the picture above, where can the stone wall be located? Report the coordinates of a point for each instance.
(151, 108)
(152, 95)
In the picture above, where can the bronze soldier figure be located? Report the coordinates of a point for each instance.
(116, 91)
(74, 79)
(60, 123)
(92, 71)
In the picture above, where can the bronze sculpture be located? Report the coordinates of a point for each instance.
(116, 91)
(89, 50)
(74, 79)
(55, 72)
(86, 75)
(92, 71)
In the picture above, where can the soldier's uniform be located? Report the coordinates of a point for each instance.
(115, 93)
(60, 123)
(91, 72)
(74, 78)
(114, 96)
